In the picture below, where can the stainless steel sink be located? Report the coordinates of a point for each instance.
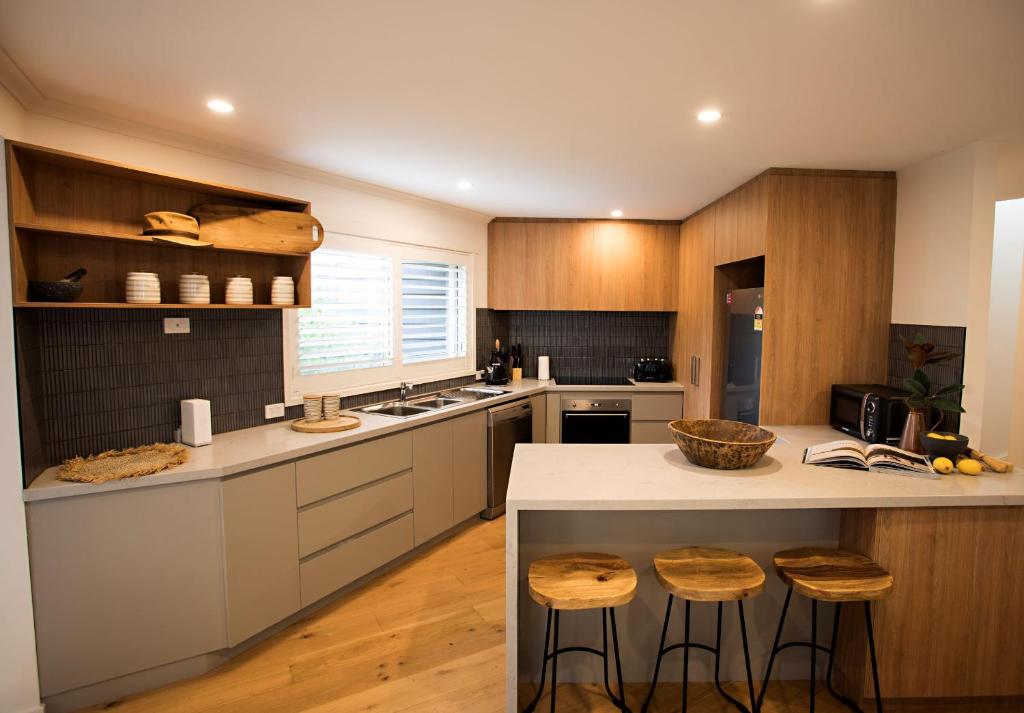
(437, 402)
(398, 410)
(475, 393)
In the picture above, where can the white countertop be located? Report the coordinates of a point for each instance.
(658, 477)
(239, 451)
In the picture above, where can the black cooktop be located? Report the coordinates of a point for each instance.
(592, 381)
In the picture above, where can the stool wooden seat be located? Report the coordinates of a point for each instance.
(708, 574)
(582, 580)
(832, 575)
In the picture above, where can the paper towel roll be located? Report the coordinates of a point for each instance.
(543, 368)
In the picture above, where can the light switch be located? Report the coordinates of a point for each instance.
(273, 411)
(176, 325)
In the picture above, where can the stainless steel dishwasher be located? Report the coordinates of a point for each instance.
(507, 425)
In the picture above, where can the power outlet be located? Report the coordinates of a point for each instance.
(273, 411)
(176, 325)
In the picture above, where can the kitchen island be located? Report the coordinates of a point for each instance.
(949, 542)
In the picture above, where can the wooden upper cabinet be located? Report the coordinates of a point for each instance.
(583, 265)
(741, 222)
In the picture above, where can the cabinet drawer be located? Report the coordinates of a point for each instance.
(650, 432)
(338, 566)
(325, 475)
(657, 407)
(331, 521)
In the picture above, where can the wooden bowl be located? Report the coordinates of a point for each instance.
(724, 445)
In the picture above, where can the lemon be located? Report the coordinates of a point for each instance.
(969, 466)
(949, 438)
(933, 434)
(943, 465)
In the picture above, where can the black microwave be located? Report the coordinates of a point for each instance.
(871, 412)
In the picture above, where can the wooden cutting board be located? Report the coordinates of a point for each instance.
(256, 229)
(344, 422)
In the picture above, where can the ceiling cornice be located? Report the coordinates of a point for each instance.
(35, 102)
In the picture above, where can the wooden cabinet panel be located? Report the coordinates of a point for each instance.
(955, 610)
(582, 265)
(469, 465)
(332, 569)
(828, 290)
(741, 223)
(691, 352)
(322, 476)
(261, 557)
(433, 497)
(109, 601)
(333, 520)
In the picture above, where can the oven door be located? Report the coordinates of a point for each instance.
(595, 426)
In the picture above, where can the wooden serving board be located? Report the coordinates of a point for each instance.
(342, 423)
(256, 229)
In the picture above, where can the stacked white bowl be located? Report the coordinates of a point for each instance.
(282, 290)
(194, 289)
(142, 288)
(238, 291)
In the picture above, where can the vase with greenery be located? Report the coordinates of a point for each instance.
(922, 401)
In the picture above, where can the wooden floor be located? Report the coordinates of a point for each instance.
(428, 637)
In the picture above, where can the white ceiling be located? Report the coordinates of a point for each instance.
(560, 108)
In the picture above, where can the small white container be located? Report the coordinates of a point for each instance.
(194, 289)
(238, 291)
(543, 368)
(196, 429)
(142, 288)
(282, 290)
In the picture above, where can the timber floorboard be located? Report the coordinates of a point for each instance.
(425, 637)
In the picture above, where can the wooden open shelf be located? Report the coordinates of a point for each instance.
(69, 211)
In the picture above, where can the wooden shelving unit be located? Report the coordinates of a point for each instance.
(69, 211)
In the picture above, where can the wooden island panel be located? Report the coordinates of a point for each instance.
(953, 626)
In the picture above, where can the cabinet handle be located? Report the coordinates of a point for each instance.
(696, 371)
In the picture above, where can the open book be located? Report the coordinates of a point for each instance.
(876, 457)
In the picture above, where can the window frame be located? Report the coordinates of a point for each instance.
(361, 381)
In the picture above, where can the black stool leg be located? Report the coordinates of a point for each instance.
(543, 666)
(874, 661)
(814, 647)
(554, 664)
(775, 649)
(621, 702)
(661, 652)
(686, 653)
(746, 658)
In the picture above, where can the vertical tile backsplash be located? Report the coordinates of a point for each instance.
(92, 380)
(602, 344)
(946, 339)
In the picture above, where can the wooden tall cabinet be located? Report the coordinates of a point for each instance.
(821, 244)
(691, 353)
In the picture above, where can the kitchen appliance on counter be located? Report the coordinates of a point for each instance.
(595, 420)
(507, 425)
(871, 412)
(741, 400)
(652, 369)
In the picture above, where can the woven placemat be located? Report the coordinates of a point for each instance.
(128, 463)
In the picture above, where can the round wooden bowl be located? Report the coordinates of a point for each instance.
(724, 445)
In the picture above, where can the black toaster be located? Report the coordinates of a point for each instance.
(652, 369)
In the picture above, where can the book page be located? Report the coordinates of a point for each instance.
(883, 456)
(842, 453)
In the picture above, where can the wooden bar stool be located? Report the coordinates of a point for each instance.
(574, 582)
(704, 574)
(829, 576)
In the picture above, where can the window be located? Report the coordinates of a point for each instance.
(382, 313)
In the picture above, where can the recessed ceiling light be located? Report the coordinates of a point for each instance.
(616, 213)
(709, 116)
(221, 106)
(464, 184)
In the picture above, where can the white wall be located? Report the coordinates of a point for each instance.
(19, 682)
(1004, 313)
(943, 258)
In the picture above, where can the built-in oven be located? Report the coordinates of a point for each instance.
(589, 420)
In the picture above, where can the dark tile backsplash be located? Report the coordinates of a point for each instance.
(603, 344)
(92, 380)
(946, 339)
